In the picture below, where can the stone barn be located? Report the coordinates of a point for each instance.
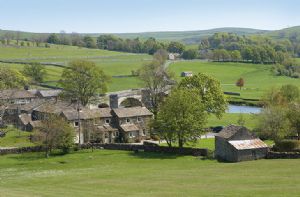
(236, 143)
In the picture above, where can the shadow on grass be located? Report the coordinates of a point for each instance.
(152, 155)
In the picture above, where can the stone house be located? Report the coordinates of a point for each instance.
(14, 96)
(95, 125)
(236, 143)
(133, 123)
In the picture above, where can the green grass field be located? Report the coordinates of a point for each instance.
(113, 63)
(258, 78)
(15, 138)
(121, 173)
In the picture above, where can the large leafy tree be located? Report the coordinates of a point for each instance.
(209, 91)
(54, 133)
(272, 123)
(35, 71)
(176, 47)
(10, 78)
(156, 78)
(181, 117)
(83, 80)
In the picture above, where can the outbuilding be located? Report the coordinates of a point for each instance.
(187, 74)
(236, 143)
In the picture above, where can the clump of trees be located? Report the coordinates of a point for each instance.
(10, 78)
(35, 71)
(83, 80)
(182, 115)
(280, 117)
(54, 133)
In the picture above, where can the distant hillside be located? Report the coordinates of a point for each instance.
(190, 37)
(286, 33)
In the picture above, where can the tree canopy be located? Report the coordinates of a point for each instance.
(10, 78)
(181, 117)
(209, 91)
(35, 71)
(83, 80)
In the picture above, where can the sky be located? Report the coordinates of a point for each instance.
(124, 16)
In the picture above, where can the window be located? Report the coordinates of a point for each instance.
(117, 133)
(139, 119)
(107, 121)
(76, 124)
(144, 132)
(131, 134)
(127, 120)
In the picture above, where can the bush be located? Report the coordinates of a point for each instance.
(287, 146)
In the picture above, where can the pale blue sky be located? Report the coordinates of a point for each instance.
(115, 16)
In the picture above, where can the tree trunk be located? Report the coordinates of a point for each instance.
(180, 143)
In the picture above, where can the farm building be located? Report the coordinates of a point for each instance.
(187, 74)
(236, 143)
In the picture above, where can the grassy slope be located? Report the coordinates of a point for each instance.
(15, 138)
(116, 173)
(258, 78)
(113, 63)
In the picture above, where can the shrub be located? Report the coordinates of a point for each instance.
(287, 145)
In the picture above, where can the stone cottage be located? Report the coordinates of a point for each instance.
(236, 143)
(14, 96)
(133, 123)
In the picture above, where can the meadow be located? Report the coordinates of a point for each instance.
(113, 63)
(121, 173)
(258, 77)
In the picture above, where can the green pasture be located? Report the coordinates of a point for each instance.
(122, 173)
(258, 78)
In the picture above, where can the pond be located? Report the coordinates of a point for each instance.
(243, 109)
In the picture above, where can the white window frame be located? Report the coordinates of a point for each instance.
(76, 122)
(107, 119)
(139, 119)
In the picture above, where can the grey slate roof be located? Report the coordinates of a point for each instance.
(85, 114)
(229, 131)
(49, 93)
(132, 112)
(15, 94)
(55, 107)
(129, 127)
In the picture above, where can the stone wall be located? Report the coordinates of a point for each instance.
(283, 155)
(21, 150)
(125, 147)
(149, 148)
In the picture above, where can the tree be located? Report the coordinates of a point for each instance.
(209, 90)
(235, 55)
(240, 83)
(161, 56)
(290, 92)
(35, 71)
(83, 80)
(272, 123)
(181, 117)
(190, 54)
(89, 42)
(155, 78)
(293, 115)
(176, 47)
(10, 78)
(55, 133)
(53, 39)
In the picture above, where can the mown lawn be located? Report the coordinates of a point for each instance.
(121, 173)
(258, 78)
(227, 119)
